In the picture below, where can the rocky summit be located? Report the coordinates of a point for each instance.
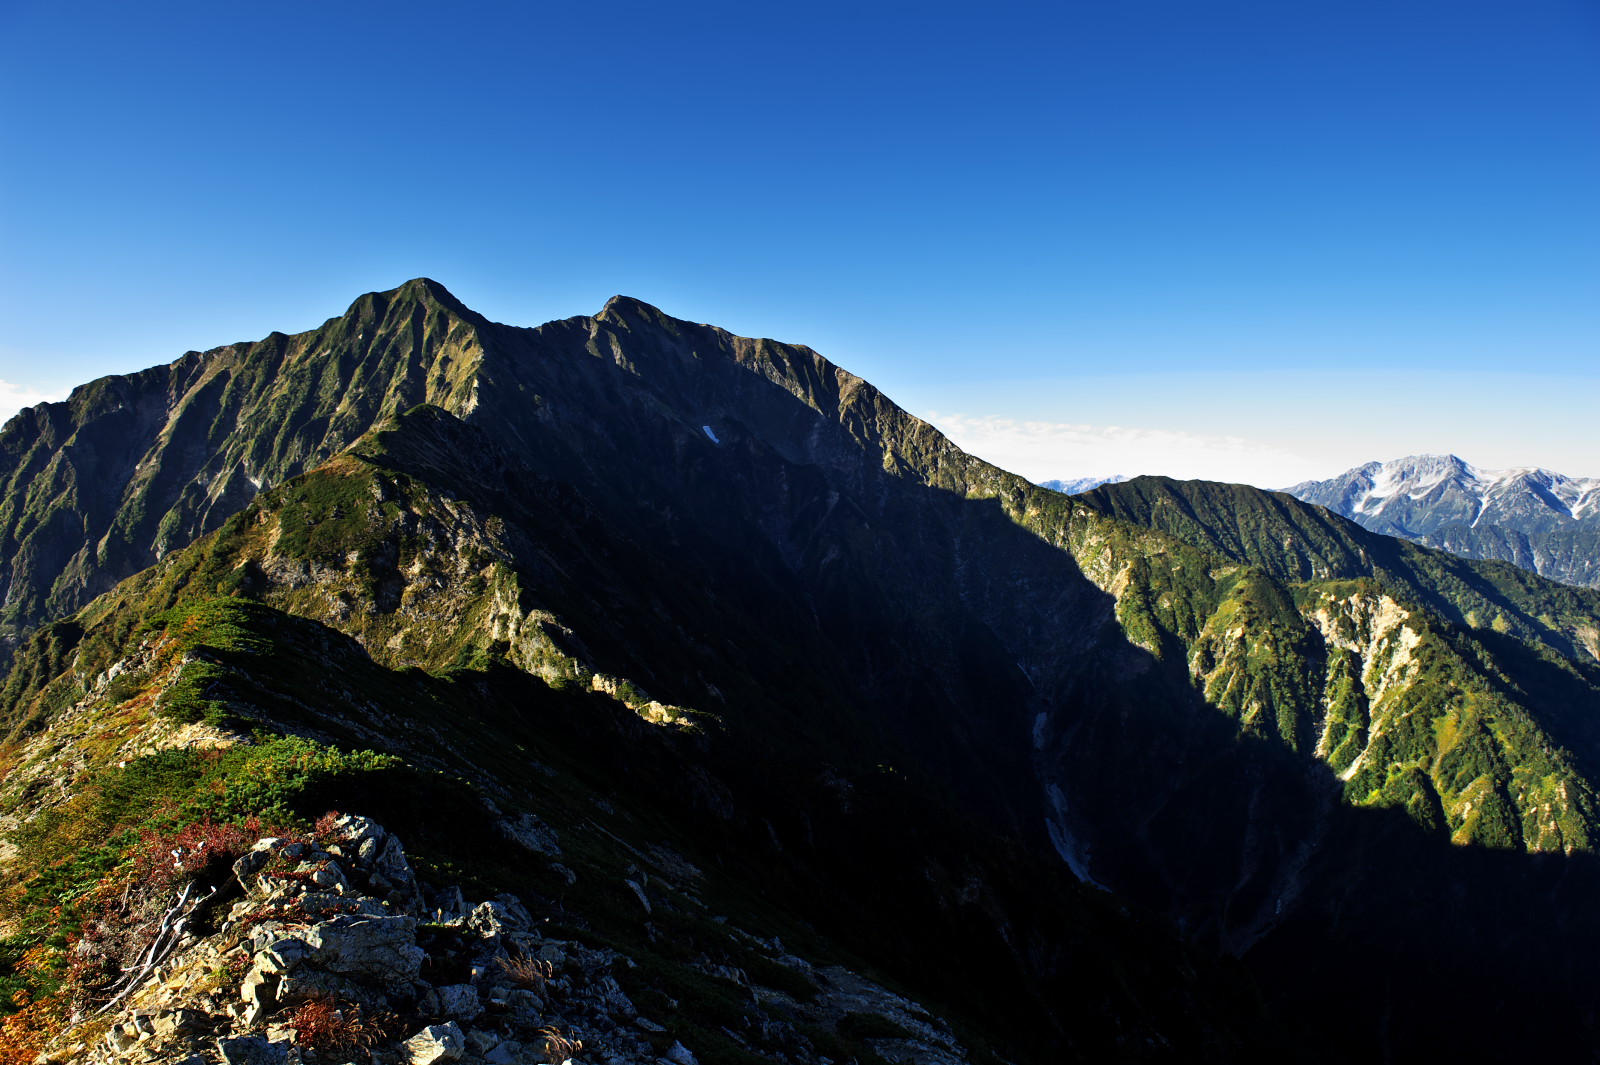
(728, 713)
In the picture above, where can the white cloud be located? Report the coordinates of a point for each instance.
(1044, 450)
(14, 397)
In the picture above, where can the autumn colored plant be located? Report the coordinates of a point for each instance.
(139, 916)
(327, 827)
(327, 1026)
(528, 973)
(170, 858)
(556, 1048)
(24, 1033)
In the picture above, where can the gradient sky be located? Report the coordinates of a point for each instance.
(1251, 241)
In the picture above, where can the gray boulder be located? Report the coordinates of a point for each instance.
(434, 1044)
(283, 955)
(449, 907)
(511, 1052)
(496, 916)
(459, 1001)
(380, 948)
(252, 1050)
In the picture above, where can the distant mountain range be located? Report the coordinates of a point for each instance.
(1540, 520)
(1082, 484)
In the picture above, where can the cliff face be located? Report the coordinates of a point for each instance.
(734, 586)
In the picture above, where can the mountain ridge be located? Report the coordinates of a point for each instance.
(1287, 734)
(1074, 486)
(1535, 518)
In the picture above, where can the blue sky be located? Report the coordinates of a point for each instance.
(1253, 241)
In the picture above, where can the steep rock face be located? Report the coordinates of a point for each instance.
(99, 486)
(1540, 520)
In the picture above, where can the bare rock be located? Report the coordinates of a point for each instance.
(495, 916)
(435, 1044)
(458, 1001)
(450, 906)
(282, 955)
(381, 948)
(252, 1050)
(511, 1052)
(533, 834)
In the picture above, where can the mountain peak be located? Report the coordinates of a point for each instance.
(426, 286)
(1430, 463)
(1534, 517)
(1075, 485)
(423, 290)
(620, 306)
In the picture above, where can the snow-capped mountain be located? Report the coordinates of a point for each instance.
(1541, 520)
(1075, 485)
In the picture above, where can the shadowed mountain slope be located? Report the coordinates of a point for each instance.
(1359, 765)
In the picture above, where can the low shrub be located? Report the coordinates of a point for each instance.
(327, 1026)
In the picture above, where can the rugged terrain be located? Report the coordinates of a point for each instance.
(645, 588)
(1543, 521)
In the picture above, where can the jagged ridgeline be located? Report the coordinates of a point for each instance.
(1543, 521)
(652, 585)
(129, 468)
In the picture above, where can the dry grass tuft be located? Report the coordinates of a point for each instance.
(329, 1027)
(555, 1048)
(528, 973)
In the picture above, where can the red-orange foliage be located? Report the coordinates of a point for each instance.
(327, 1026)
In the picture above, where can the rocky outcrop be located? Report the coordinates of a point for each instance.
(332, 951)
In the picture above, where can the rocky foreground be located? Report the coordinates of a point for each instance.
(328, 949)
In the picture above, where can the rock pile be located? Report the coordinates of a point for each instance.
(334, 953)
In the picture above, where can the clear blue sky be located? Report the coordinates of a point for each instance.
(1334, 231)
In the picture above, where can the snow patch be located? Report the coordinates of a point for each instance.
(1073, 485)
(1375, 487)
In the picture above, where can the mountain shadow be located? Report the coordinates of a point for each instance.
(1293, 741)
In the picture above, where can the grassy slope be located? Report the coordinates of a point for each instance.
(1487, 729)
